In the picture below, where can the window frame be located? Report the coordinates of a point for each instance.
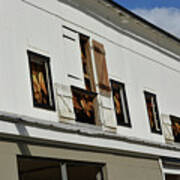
(75, 89)
(46, 61)
(89, 88)
(125, 108)
(62, 163)
(147, 93)
(174, 119)
(84, 43)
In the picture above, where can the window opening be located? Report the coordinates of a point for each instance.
(41, 81)
(81, 172)
(153, 114)
(35, 168)
(38, 169)
(83, 102)
(87, 63)
(120, 103)
(175, 124)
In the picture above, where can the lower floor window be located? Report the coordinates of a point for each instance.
(45, 169)
(79, 171)
(38, 169)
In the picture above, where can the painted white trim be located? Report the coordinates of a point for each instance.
(171, 171)
(60, 137)
(162, 169)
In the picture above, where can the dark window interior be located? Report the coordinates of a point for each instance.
(176, 128)
(38, 169)
(45, 169)
(153, 114)
(84, 172)
(83, 102)
(172, 177)
(120, 103)
(41, 81)
(87, 63)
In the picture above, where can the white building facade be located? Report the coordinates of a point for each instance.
(88, 91)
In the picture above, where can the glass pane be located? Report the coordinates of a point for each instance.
(37, 169)
(153, 114)
(41, 81)
(176, 128)
(84, 172)
(150, 105)
(83, 102)
(172, 177)
(120, 103)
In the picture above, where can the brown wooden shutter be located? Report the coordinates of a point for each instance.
(101, 67)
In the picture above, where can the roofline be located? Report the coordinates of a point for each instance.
(167, 50)
(143, 20)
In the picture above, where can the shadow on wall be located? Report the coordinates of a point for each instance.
(22, 146)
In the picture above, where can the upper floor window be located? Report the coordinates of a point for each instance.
(175, 121)
(84, 100)
(41, 81)
(153, 114)
(87, 63)
(120, 103)
(84, 105)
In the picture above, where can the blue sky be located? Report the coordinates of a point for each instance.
(163, 13)
(148, 4)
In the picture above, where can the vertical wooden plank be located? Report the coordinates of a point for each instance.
(101, 67)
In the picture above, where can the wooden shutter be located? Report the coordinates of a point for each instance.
(64, 102)
(167, 128)
(72, 58)
(101, 67)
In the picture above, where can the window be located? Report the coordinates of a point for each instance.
(84, 102)
(81, 171)
(175, 123)
(41, 81)
(87, 63)
(46, 169)
(153, 114)
(37, 169)
(120, 103)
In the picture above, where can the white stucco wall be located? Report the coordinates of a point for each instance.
(39, 28)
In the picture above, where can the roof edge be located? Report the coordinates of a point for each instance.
(114, 4)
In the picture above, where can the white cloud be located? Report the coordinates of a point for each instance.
(165, 18)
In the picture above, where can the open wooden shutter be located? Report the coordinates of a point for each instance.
(64, 102)
(72, 58)
(101, 67)
(107, 114)
(167, 128)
